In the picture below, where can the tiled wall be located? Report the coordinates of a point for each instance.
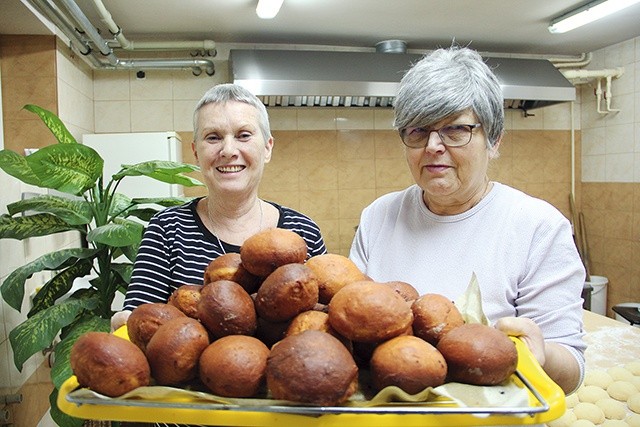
(34, 71)
(611, 177)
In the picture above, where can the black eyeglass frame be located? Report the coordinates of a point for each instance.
(469, 127)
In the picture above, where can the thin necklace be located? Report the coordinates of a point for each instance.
(215, 234)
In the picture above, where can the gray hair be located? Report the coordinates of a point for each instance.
(231, 92)
(447, 82)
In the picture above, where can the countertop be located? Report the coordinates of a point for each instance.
(610, 342)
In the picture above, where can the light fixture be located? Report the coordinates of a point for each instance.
(588, 13)
(268, 9)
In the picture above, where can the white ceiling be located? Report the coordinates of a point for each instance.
(503, 26)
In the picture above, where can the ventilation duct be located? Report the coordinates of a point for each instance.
(282, 78)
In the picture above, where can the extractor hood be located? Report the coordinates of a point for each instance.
(282, 78)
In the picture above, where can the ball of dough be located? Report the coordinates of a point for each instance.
(287, 292)
(433, 316)
(582, 423)
(621, 390)
(145, 320)
(267, 250)
(633, 367)
(478, 354)
(311, 367)
(406, 290)
(635, 381)
(598, 378)
(589, 411)
(572, 400)
(186, 299)
(229, 267)
(614, 423)
(108, 364)
(225, 308)
(174, 350)
(565, 420)
(633, 403)
(613, 409)
(591, 394)
(333, 271)
(234, 366)
(368, 311)
(618, 373)
(407, 362)
(633, 420)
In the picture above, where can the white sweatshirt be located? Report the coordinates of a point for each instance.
(520, 248)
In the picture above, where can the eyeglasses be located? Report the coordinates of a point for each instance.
(450, 135)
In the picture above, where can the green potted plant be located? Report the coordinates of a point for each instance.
(112, 225)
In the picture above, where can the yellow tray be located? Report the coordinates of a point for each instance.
(546, 403)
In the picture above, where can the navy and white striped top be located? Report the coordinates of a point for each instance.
(177, 248)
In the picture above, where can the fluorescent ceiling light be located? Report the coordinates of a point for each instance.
(588, 13)
(268, 9)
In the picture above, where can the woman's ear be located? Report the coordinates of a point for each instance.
(268, 150)
(195, 152)
(493, 151)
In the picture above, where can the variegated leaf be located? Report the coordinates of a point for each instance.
(74, 212)
(38, 332)
(22, 227)
(60, 418)
(70, 168)
(165, 171)
(16, 165)
(13, 287)
(163, 201)
(55, 125)
(59, 285)
(119, 233)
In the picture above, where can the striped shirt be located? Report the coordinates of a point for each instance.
(177, 248)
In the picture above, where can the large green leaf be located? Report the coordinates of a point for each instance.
(143, 214)
(59, 285)
(165, 171)
(74, 212)
(16, 165)
(60, 418)
(120, 204)
(22, 227)
(70, 168)
(12, 288)
(123, 271)
(61, 369)
(38, 332)
(121, 232)
(163, 201)
(55, 125)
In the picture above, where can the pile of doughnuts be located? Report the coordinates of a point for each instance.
(270, 322)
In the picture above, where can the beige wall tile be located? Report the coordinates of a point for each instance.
(354, 144)
(17, 92)
(283, 119)
(354, 118)
(392, 173)
(320, 204)
(357, 174)
(183, 115)
(150, 116)
(111, 85)
(157, 85)
(316, 119)
(619, 168)
(351, 202)
(112, 116)
(186, 86)
(383, 119)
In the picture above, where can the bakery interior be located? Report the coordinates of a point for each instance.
(331, 159)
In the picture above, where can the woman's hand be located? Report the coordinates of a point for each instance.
(561, 366)
(119, 319)
(528, 332)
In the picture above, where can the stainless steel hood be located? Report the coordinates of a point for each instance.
(284, 78)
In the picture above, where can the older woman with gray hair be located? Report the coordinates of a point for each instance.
(454, 222)
(232, 144)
